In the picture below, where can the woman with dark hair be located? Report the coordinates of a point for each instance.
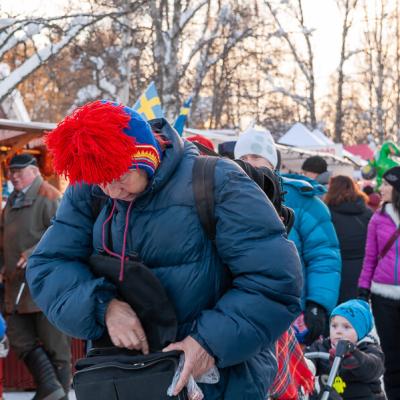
(381, 276)
(350, 216)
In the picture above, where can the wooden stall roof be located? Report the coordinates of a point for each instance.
(14, 135)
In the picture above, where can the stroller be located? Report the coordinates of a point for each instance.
(327, 391)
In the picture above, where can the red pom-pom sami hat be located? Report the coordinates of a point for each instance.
(101, 141)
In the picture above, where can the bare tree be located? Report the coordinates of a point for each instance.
(59, 32)
(305, 63)
(177, 49)
(397, 71)
(347, 7)
(376, 55)
(176, 26)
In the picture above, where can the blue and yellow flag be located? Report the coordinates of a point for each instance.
(149, 105)
(182, 117)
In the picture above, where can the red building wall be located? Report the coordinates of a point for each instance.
(16, 376)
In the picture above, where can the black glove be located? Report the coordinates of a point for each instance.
(363, 294)
(315, 320)
(350, 358)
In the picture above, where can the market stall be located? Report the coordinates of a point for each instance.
(19, 136)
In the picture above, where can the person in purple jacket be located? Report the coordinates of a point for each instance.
(380, 277)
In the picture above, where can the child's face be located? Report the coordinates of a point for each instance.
(341, 329)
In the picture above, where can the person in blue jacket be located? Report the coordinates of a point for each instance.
(233, 297)
(2, 327)
(313, 232)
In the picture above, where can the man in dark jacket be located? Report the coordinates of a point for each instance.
(232, 302)
(26, 217)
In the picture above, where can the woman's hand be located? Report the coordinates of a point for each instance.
(124, 327)
(197, 361)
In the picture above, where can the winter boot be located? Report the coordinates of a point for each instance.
(42, 370)
(63, 371)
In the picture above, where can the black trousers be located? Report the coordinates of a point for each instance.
(387, 319)
(27, 331)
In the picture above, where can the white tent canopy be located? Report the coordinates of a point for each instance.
(299, 136)
(292, 157)
(320, 135)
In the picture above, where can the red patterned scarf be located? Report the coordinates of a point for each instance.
(293, 373)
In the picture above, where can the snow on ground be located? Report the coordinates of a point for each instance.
(27, 395)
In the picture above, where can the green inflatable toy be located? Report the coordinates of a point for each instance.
(381, 162)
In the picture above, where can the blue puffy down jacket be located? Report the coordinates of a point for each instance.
(315, 238)
(238, 324)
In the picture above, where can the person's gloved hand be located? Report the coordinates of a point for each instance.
(350, 359)
(363, 294)
(315, 320)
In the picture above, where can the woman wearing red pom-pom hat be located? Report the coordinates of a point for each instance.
(232, 297)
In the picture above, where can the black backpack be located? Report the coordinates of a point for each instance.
(203, 191)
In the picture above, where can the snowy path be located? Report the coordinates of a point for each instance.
(27, 395)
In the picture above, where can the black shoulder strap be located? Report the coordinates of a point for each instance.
(389, 243)
(203, 191)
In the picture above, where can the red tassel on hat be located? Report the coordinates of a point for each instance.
(90, 145)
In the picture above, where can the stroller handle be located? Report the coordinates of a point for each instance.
(317, 354)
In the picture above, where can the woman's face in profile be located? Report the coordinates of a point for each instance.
(128, 186)
(386, 191)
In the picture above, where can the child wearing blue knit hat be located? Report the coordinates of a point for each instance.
(355, 317)
(361, 369)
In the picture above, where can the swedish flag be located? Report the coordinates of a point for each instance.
(183, 113)
(149, 105)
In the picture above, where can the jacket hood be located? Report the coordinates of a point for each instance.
(304, 185)
(323, 178)
(172, 155)
(350, 207)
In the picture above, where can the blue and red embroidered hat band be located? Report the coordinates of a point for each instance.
(148, 153)
(101, 141)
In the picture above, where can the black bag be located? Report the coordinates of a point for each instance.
(110, 373)
(118, 374)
